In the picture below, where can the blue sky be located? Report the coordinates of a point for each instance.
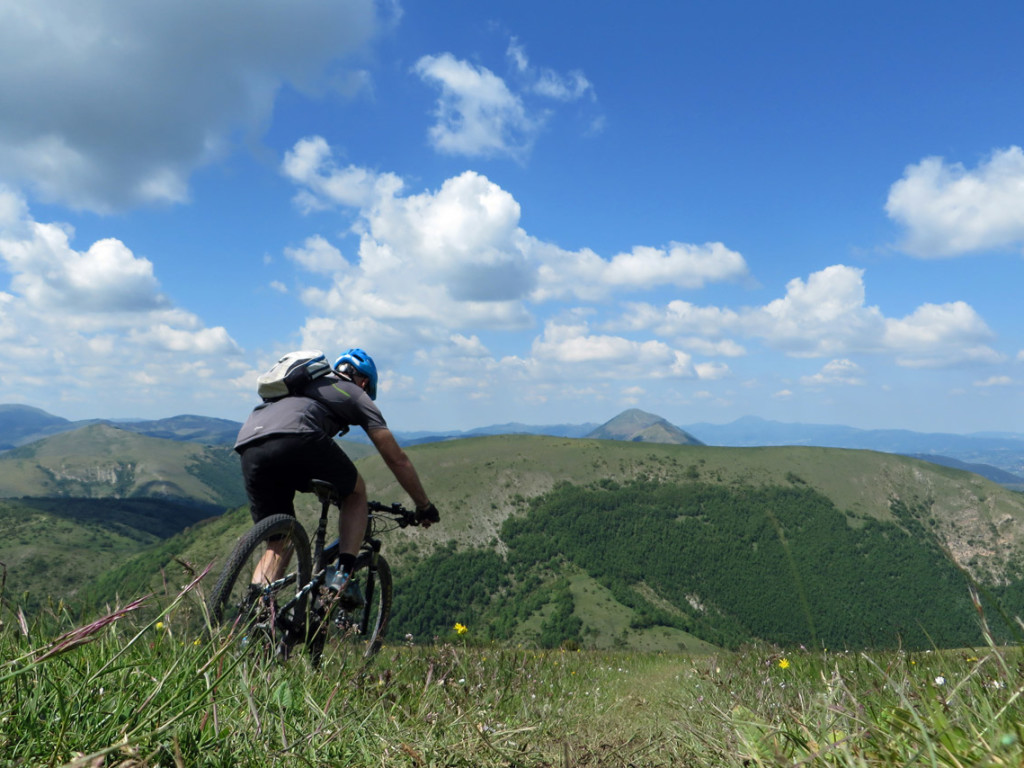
(531, 212)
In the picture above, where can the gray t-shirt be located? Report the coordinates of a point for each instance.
(325, 406)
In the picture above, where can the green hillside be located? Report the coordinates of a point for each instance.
(482, 481)
(75, 505)
(101, 461)
(52, 547)
(610, 544)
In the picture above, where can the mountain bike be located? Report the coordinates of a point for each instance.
(299, 607)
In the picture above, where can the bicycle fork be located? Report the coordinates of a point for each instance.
(373, 550)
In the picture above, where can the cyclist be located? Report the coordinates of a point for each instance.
(286, 443)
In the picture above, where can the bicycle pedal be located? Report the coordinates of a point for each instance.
(351, 597)
(340, 584)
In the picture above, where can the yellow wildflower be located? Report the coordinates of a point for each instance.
(783, 663)
(460, 628)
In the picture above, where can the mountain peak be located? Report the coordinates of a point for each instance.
(21, 422)
(638, 426)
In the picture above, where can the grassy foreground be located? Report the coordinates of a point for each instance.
(132, 690)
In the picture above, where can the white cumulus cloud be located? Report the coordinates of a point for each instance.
(310, 163)
(456, 258)
(572, 343)
(949, 210)
(480, 114)
(712, 370)
(95, 322)
(826, 314)
(994, 381)
(584, 273)
(477, 114)
(107, 278)
(318, 255)
(939, 335)
(571, 86)
(108, 104)
(835, 372)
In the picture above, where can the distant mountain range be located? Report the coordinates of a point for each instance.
(998, 456)
(753, 431)
(974, 452)
(22, 424)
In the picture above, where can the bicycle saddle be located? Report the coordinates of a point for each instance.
(324, 490)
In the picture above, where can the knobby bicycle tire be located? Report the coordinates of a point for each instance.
(232, 602)
(368, 624)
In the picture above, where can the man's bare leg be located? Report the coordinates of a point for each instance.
(352, 521)
(272, 565)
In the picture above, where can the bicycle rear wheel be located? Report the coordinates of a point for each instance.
(252, 611)
(365, 626)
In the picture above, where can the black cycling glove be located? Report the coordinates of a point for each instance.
(428, 515)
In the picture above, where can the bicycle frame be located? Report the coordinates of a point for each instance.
(301, 627)
(322, 555)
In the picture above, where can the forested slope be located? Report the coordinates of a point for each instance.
(727, 565)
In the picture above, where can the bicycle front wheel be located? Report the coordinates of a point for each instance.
(254, 610)
(365, 625)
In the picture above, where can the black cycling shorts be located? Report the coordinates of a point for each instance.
(275, 468)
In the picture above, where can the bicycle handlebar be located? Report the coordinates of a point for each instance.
(396, 512)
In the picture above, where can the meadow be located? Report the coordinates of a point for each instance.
(146, 685)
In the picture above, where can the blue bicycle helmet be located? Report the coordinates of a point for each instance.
(363, 364)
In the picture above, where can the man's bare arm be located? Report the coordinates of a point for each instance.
(400, 465)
